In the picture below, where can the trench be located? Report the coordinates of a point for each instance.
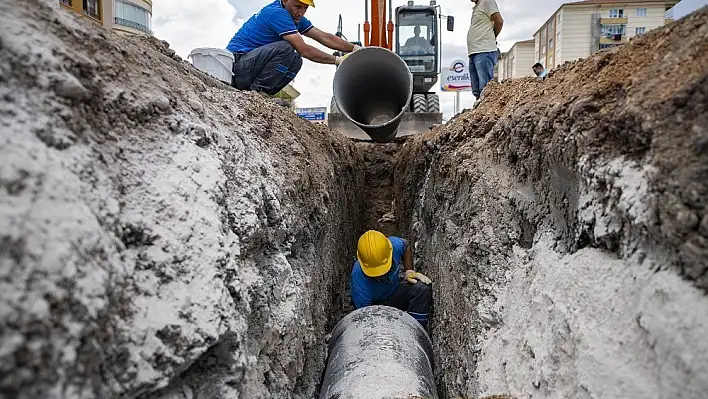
(379, 199)
(205, 237)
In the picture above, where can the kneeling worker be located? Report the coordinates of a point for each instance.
(375, 277)
(268, 49)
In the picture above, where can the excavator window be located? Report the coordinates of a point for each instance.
(417, 40)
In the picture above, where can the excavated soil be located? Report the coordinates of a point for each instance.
(164, 236)
(563, 223)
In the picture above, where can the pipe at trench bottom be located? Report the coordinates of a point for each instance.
(373, 89)
(379, 352)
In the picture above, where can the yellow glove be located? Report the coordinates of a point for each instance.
(338, 60)
(413, 277)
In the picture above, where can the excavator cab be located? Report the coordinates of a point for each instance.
(417, 44)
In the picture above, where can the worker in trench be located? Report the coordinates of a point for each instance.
(268, 49)
(376, 276)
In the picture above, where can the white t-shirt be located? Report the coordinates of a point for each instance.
(480, 37)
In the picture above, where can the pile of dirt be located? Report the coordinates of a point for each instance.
(161, 234)
(563, 223)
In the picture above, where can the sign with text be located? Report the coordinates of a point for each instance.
(312, 114)
(456, 77)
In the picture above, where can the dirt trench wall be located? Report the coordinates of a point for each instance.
(564, 225)
(161, 235)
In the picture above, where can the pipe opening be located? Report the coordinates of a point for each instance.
(374, 98)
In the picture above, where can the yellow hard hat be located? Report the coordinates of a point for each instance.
(375, 253)
(308, 2)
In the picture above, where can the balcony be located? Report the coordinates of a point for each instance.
(614, 21)
(612, 39)
(132, 25)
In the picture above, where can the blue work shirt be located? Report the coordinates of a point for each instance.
(267, 26)
(367, 290)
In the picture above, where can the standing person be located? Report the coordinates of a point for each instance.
(269, 47)
(375, 277)
(485, 26)
(539, 70)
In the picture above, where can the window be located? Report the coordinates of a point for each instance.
(641, 12)
(66, 2)
(610, 30)
(616, 13)
(559, 18)
(550, 44)
(640, 31)
(417, 40)
(132, 16)
(91, 8)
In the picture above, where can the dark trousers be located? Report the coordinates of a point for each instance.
(268, 68)
(415, 299)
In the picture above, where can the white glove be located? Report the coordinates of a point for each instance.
(356, 47)
(413, 277)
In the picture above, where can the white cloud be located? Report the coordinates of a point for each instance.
(188, 24)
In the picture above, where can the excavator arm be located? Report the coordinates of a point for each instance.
(378, 32)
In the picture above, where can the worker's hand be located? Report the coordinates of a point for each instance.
(413, 277)
(338, 60)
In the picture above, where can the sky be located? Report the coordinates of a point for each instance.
(189, 24)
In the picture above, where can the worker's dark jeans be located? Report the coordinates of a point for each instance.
(268, 68)
(412, 298)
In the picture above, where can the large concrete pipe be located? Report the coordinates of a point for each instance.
(379, 352)
(373, 89)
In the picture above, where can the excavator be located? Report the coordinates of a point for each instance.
(418, 44)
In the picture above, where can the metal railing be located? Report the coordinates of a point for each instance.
(131, 24)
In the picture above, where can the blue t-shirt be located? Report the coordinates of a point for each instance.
(267, 26)
(366, 290)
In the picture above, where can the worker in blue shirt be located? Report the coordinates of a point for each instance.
(269, 47)
(376, 280)
(539, 70)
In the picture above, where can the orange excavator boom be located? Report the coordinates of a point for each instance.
(378, 32)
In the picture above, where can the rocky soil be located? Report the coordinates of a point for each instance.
(161, 235)
(563, 223)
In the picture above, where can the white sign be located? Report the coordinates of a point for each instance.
(456, 77)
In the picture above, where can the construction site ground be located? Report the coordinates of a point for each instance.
(165, 236)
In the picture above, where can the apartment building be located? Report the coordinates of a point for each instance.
(517, 62)
(577, 30)
(124, 16)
